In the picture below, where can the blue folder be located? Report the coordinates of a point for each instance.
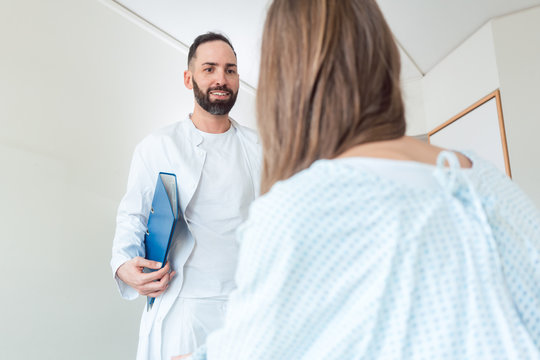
(161, 222)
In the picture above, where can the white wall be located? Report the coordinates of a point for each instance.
(413, 97)
(466, 75)
(517, 46)
(81, 84)
(504, 54)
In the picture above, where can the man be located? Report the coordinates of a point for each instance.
(217, 164)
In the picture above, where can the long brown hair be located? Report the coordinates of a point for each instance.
(329, 80)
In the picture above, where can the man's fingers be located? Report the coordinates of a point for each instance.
(159, 285)
(155, 294)
(157, 275)
(163, 282)
(142, 262)
(181, 357)
(152, 288)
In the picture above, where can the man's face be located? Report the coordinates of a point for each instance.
(214, 77)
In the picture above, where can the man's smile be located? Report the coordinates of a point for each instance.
(220, 94)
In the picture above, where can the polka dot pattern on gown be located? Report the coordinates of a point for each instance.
(339, 262)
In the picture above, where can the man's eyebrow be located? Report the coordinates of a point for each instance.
(216, 64)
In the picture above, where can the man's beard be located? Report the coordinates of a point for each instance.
(217, 107)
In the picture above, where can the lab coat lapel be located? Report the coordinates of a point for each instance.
(189, 175)
(194, 162)
(252, 152)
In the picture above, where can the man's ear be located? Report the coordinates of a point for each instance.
(188, 79)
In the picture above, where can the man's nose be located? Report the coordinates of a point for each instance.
(220, 77)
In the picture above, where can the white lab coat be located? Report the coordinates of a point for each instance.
(174, 149)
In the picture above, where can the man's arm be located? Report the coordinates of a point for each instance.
(128, 246)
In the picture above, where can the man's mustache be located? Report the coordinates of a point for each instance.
(219, 88)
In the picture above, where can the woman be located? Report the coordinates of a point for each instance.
(368, 244)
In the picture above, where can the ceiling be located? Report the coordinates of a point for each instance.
(426, 30)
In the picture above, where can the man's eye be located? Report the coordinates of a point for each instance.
(230, 71)
(208, 70)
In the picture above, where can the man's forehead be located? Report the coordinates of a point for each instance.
(216, 53)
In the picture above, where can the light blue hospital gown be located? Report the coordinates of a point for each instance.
(339, 262)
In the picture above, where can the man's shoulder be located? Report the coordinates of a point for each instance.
(249, 133)
(169, 132)
(173, 129)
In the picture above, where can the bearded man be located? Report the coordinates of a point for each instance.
(217, 164)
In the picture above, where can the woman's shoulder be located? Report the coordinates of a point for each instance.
(314, 180)
(324, 182)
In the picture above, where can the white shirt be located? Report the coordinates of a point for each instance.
(173, 149)
(220, 204)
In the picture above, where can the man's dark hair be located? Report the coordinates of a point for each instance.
(201, 39)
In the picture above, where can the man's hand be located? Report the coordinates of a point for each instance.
(148, 284)
(181, 357)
